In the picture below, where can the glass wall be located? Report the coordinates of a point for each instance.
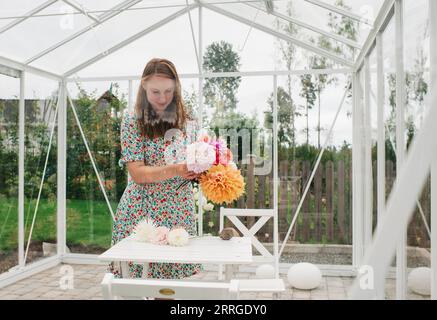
(9, 101)
(41, 96)
(99, 107)
(417, 79)
(307, 107)
(239, 110)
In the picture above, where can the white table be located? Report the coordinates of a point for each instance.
(203, 250)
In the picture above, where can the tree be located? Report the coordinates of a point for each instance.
(340, 25)
(288, 53)
(285, 116)
(308, 92)
(220, 92)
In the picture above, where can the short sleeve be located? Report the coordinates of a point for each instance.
(131, 141)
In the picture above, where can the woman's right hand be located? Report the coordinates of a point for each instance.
(183, 172)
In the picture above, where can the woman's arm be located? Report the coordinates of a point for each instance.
(143, 174)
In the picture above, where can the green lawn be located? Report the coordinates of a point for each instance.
(89, 223)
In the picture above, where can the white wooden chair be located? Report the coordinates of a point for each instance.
(264, 215)
(113, 288)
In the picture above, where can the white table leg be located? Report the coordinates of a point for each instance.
(229, 268)
(125, 269)
(145, 270)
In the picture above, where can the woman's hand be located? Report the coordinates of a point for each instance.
(182, 171)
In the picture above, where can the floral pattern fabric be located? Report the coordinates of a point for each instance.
(159, 202)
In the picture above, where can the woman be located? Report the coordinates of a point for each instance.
(152, 191)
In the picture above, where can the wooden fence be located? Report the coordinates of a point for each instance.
(326, 213)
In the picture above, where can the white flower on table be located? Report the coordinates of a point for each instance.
(145, 231)
(178, 237)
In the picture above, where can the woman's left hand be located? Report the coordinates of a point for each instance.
(194, 176)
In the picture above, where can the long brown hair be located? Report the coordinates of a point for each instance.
(175, 115)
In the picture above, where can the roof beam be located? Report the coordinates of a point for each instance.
(384, 16)
(130, 39)
(81, 9)
(219, 75)
(303, 44)
(309, 27)
(116, 10)
(340, 11)
(27, 15)
(19, 66)
(10, 72)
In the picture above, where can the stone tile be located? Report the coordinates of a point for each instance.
(248, 296)
(30, 296)
(336, 296)
(319, 295)
(336, 290)
(9, 297)
(301, 294)
(52, 294)
(335, 284)
(21, 291)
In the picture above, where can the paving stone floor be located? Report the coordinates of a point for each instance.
(47, 285)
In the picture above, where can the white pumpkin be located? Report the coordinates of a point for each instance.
(304, 276)
(419, 281)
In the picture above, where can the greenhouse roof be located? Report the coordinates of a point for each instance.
(64, 37)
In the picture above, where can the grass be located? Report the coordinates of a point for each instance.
(89, 223)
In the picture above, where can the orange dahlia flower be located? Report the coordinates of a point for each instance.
(222, 184)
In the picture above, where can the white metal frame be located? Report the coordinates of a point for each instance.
(433, 102)
(21, 120)
(401, 251)
(357, 174)
(62, 170)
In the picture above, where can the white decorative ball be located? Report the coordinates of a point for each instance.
(265, 271)
(419, 281)
(305, 276)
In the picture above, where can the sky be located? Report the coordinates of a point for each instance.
(258, 51)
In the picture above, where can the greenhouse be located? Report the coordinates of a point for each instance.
(324, 107)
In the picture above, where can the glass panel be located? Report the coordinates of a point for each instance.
(89, 220)
(98, 5)
(4, 22)
(270, 21)
(36, 29)
(141, 51)
(236, 109)
(307, 107)
(374, 132)
(41, 100)
(18, 8)
(388, 39)
(101, 38)
(244, 40)
(9, 100)
(417, 63)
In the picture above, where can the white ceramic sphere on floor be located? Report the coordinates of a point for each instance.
(304, 276)
(265, 271)
(419, 281)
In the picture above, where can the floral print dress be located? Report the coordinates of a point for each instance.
(159, 202)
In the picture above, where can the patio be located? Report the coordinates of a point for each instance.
(87, 278)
